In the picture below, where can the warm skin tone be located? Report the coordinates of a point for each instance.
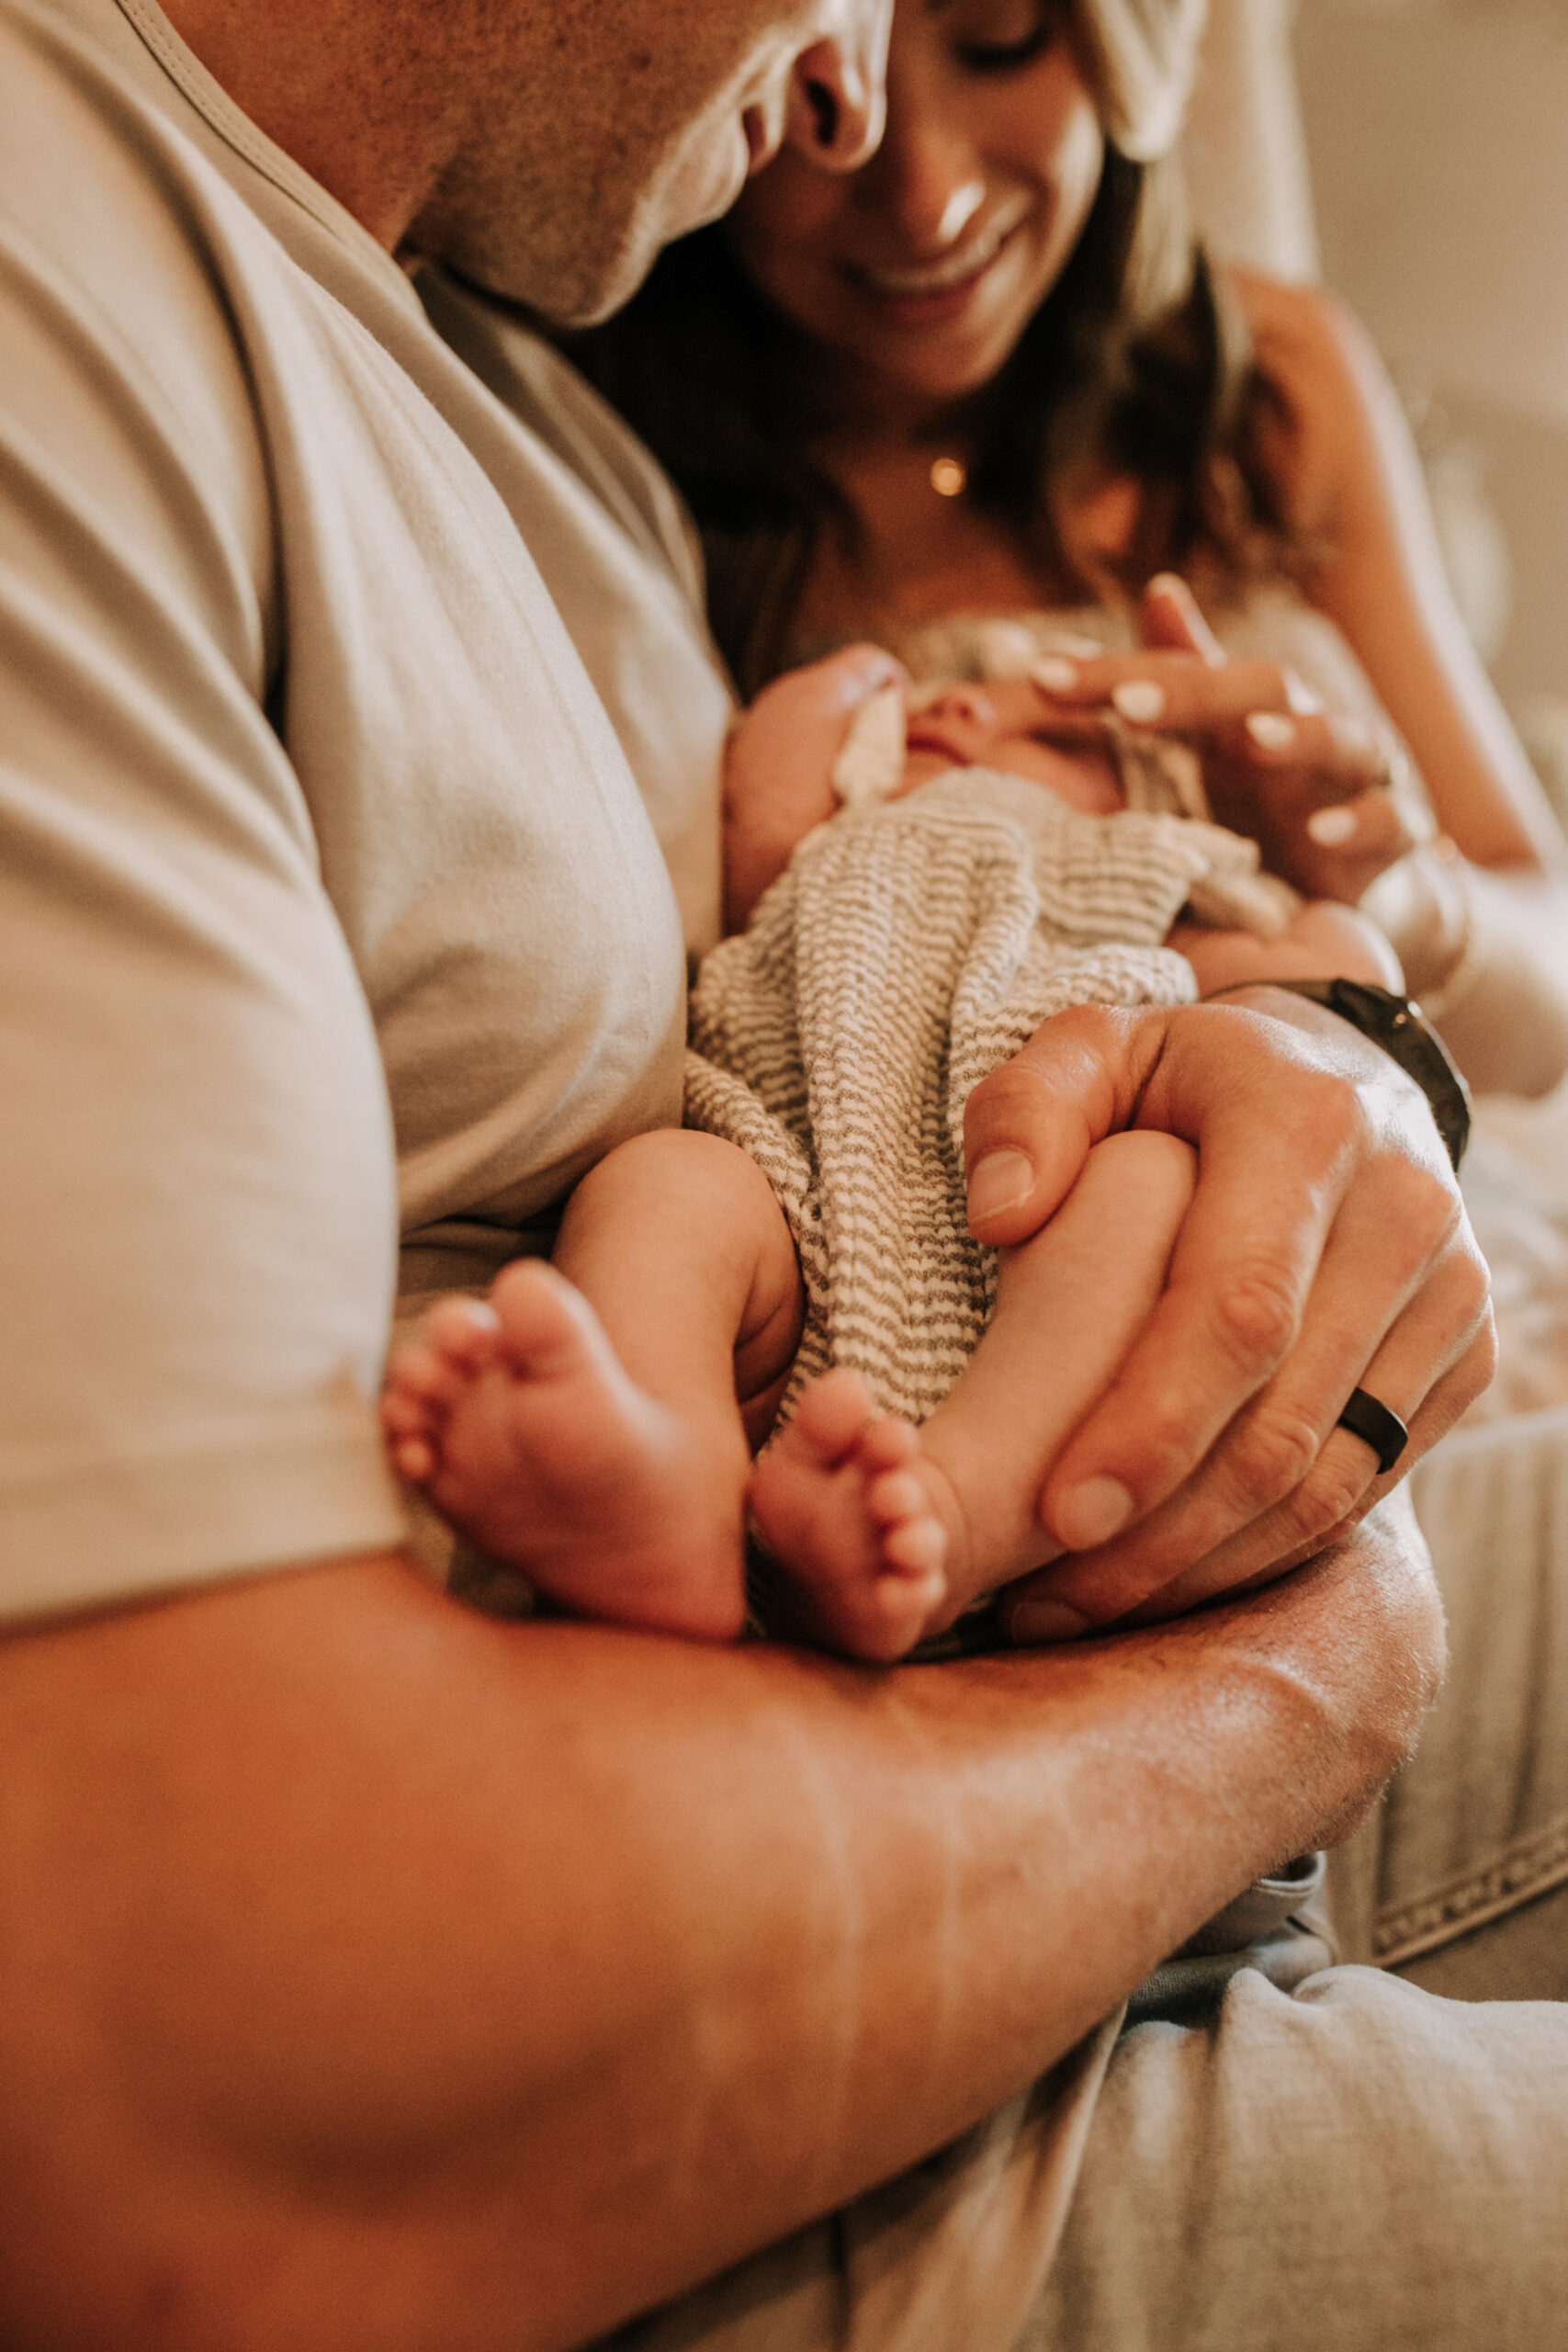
(408, 116)
(893, 276)
(360, 2055)
(349, 1992)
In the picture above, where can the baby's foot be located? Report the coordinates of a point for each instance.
(843, 1500)
(518, 1419)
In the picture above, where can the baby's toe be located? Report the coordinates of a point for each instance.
(403, 1415)
(888, 1443)
(461, 1333)
(421, 1378)
(413, 1458)
(831, 1415)
(917, 1547)
(893, 1495)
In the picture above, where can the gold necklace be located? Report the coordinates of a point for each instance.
(950, 477)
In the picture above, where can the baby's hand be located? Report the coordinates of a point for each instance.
(778, 767)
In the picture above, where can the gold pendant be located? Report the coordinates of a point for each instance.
(950, 479)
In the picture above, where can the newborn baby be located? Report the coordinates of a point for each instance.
(793, 1269)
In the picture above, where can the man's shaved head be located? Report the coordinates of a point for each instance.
(546, 148)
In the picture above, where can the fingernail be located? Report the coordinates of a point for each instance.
(1092, 1513)
(1270, 731)
(1078, 649)
(1140, 700)
(1047, 1621)
(1057, 675)
(1330, 828)
(999, 1183)
(1166, 584)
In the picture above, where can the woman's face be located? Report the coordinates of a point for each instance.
(923, 268)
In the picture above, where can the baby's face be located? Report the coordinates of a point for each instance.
(1012, 725)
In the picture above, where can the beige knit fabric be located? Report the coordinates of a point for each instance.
(907, 950)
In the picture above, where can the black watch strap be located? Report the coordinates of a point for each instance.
(1396, 1024)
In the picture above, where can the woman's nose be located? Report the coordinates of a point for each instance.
(838, 100)
(926, 182)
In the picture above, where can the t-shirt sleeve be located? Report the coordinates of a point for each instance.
(198, 1238)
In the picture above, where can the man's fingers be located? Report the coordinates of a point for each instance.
(1029, 1128)
(1152, 1575)
(1239, 1284)
(1285, 1478)
(1324, 1248)
(1265, 1233)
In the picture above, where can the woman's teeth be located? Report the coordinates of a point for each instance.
(938, 277)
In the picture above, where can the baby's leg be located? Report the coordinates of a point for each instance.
(591, 1435)
(1070, 1303)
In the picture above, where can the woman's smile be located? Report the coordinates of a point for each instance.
(932, 293)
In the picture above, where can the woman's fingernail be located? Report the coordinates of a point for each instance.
(998, 1182)
(1076, 649)
(1140, 700)
(1047, 1621)
(1092, 1513)
(1331, 828)
(1271, 731)
(1057, 676)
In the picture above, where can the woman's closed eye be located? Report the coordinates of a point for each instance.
(1000, 36)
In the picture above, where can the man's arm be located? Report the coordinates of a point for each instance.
(375, 1974)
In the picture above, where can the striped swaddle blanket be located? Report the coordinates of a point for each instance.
(910, 947)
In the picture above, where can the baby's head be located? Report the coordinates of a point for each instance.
(900, 739)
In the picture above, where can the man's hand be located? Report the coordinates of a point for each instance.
(1327, 1249)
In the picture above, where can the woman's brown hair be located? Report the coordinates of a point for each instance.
(1133, 365)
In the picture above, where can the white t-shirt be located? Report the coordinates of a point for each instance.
(297, 762)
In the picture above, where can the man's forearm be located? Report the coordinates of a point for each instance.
(367, 1963)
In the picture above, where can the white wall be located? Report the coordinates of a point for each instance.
(1437, 140)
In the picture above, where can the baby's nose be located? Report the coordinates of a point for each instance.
(971, 705)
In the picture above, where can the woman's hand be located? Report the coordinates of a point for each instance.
(1320, 792)
(1327, 1249)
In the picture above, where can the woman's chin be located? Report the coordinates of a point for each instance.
(917, 366)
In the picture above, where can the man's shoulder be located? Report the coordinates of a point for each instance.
(112, 292)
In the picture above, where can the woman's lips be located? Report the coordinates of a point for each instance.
(945, 285)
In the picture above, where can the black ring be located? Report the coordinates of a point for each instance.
(1382, 1430)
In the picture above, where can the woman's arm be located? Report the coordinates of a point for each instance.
(1350, 486)
(376, 1976)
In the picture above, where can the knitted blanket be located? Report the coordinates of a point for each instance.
(910, 948)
